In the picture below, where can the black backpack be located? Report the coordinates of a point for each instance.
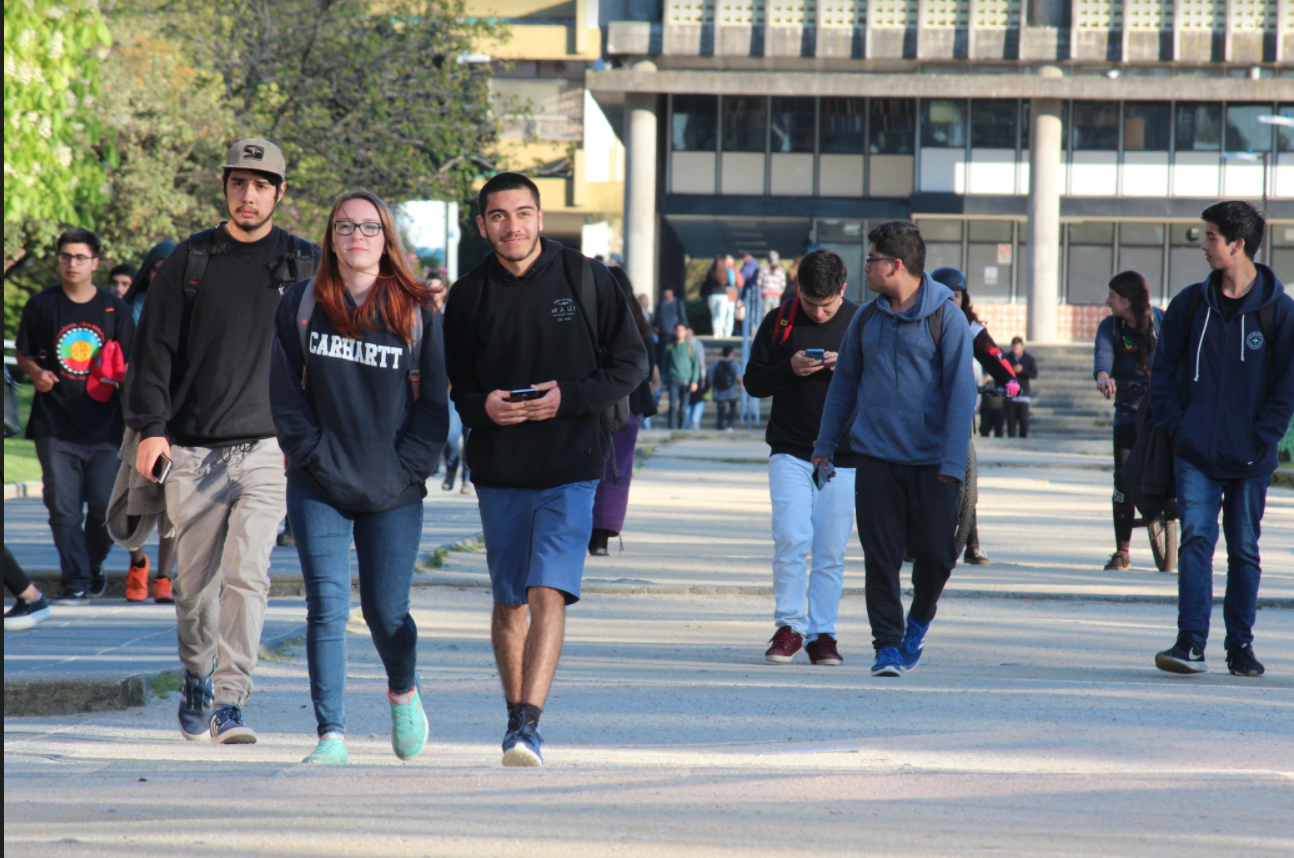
(724, 375)
(586, 296)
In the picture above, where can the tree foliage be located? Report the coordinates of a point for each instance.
(52, 175)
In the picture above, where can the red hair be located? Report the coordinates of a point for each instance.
(396, 295)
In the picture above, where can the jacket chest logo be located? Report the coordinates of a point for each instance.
(1254, 340)
(564, 309)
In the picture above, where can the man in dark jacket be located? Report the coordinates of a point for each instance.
(1017, 407)
(521, 319)
(198, 393)
(1222, 384)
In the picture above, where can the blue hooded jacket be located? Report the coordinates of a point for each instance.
(911, 402)
(1209, 380)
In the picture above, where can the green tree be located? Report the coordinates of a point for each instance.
(52, 172)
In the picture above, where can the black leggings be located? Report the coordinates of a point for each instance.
(15, 580)
(1125, 435)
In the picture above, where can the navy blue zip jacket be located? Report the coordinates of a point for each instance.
(354, 434)
(1209, 380)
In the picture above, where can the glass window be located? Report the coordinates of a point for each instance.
(1141, 249)
(792, 125)
(1096, 126)
(745, 118)
(842, 125)
(1199, 127)
(1146, 126)
(990, 258)
(893, 126)
(695, 123)
(943, 243)
(1090, 263)
(994, 123)
(1282, 251)
(1285, 134)
(990, 230)
(1244, 132)
(940, 230)
(1142, 234)
(1186, 263)
(943, 123)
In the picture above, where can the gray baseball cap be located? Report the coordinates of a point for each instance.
(257, 154)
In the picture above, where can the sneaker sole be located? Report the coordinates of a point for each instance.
(887, 671)
(1246, 675)
(519, 756)
(828, 662)
(778, 659)
(204, 736)
(18, 624)
(235, 736)
(1176, 665)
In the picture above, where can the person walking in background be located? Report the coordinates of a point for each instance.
(772, 282)
(199, 395)
(1125, 346)
(714, 289)
(793, 359)
(682, 374)
(357, 389)
(725, 381)
(612, 499)
(992, 415)
(72, 342)
(904, 389)
(536, 458)
(120, 278)
(138, 292)
(1222, 385)
(696, 398)
(1017, 407)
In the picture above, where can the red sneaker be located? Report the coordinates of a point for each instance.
(823, 651)
(786, 643)
(162, 592)
(137, 582)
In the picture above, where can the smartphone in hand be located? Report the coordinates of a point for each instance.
(815, 354)
(524, 394)
(161, 469)
(823, 474)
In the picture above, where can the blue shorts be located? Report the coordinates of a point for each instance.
(536, 538)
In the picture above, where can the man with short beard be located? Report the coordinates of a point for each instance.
(198, 394)
(535, 316)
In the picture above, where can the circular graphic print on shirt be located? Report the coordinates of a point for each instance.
(77, 345)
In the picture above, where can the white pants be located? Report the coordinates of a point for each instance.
(806, 520)
(722, 314)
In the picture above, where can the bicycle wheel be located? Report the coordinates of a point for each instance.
(1163, 543)
(967, 498)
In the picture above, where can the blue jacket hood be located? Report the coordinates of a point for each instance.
(932, 295)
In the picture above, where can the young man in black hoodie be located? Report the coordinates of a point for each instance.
(793, 360)
(534, 315)
(198, 393)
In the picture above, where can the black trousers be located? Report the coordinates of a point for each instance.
(1017, 419)
(1125, 436)
(903, 507)
(78, 484)
(992, 420)
(728, 409)
(15, 580)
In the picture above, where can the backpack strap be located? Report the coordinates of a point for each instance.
(305, 310)
(202, 246)
(786, 321)
(1267, 324)
(297, 264)
(935, 324)
(586, 296)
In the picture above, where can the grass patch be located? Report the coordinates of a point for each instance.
(20, 462)
(436, 559)
(280, 652)
(474, 545)
(167, 682)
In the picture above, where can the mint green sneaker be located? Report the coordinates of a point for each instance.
(408, 723)
(331, 751)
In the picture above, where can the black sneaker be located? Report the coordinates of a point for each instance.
(98, 584)
(1240, 661)
(24, 615)
(1184, 657)
(72, 596)
(227, 727)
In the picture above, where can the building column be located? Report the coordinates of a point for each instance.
(1045, 165)
(640, 189)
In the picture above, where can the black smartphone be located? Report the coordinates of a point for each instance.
(525, 394)
(823, 474)
(815, 354)
(161, 468)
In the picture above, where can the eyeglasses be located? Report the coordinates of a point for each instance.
(868, 260)
(69, 258)
(369, 228)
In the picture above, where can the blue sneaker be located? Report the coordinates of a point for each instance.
(888, 662)
(195, 707)
(914, 639)
(408, 723)
(227, 727)
(521, 746)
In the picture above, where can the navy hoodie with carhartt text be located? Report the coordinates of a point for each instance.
(1210, 385)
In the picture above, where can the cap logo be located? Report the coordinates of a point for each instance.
(256, 153)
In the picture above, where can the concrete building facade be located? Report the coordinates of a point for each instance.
(1041, 145)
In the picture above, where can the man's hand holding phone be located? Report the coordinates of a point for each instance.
(823, 471)
(803, 363)
(151, 450)
(503, 409)
(544, 407)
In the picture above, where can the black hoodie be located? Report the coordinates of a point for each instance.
(504, 332)
(355, 435)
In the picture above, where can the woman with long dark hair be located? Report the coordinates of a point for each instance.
(1125, 345)
(612, 498)
(358, 393)
(990, 357)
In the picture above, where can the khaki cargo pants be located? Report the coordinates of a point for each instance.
(226, 503)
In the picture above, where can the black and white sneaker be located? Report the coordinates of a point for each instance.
(1185, 656)
(72, 596)
(25, 615)
(1240, 661)
(98, 583)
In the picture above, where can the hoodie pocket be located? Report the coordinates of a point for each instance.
(1238, 445)
(358, 474)
(1194, 432)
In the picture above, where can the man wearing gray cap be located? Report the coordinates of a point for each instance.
(198, 395)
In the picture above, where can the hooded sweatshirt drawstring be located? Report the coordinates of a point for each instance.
(1242, 338)
(1208, 311)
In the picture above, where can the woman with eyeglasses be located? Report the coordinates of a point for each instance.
(358, 393)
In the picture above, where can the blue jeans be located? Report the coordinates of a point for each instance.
(1241, 502)
(387, 546)
(679, 394)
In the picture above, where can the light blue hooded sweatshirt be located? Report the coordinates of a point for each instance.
(911, 403)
